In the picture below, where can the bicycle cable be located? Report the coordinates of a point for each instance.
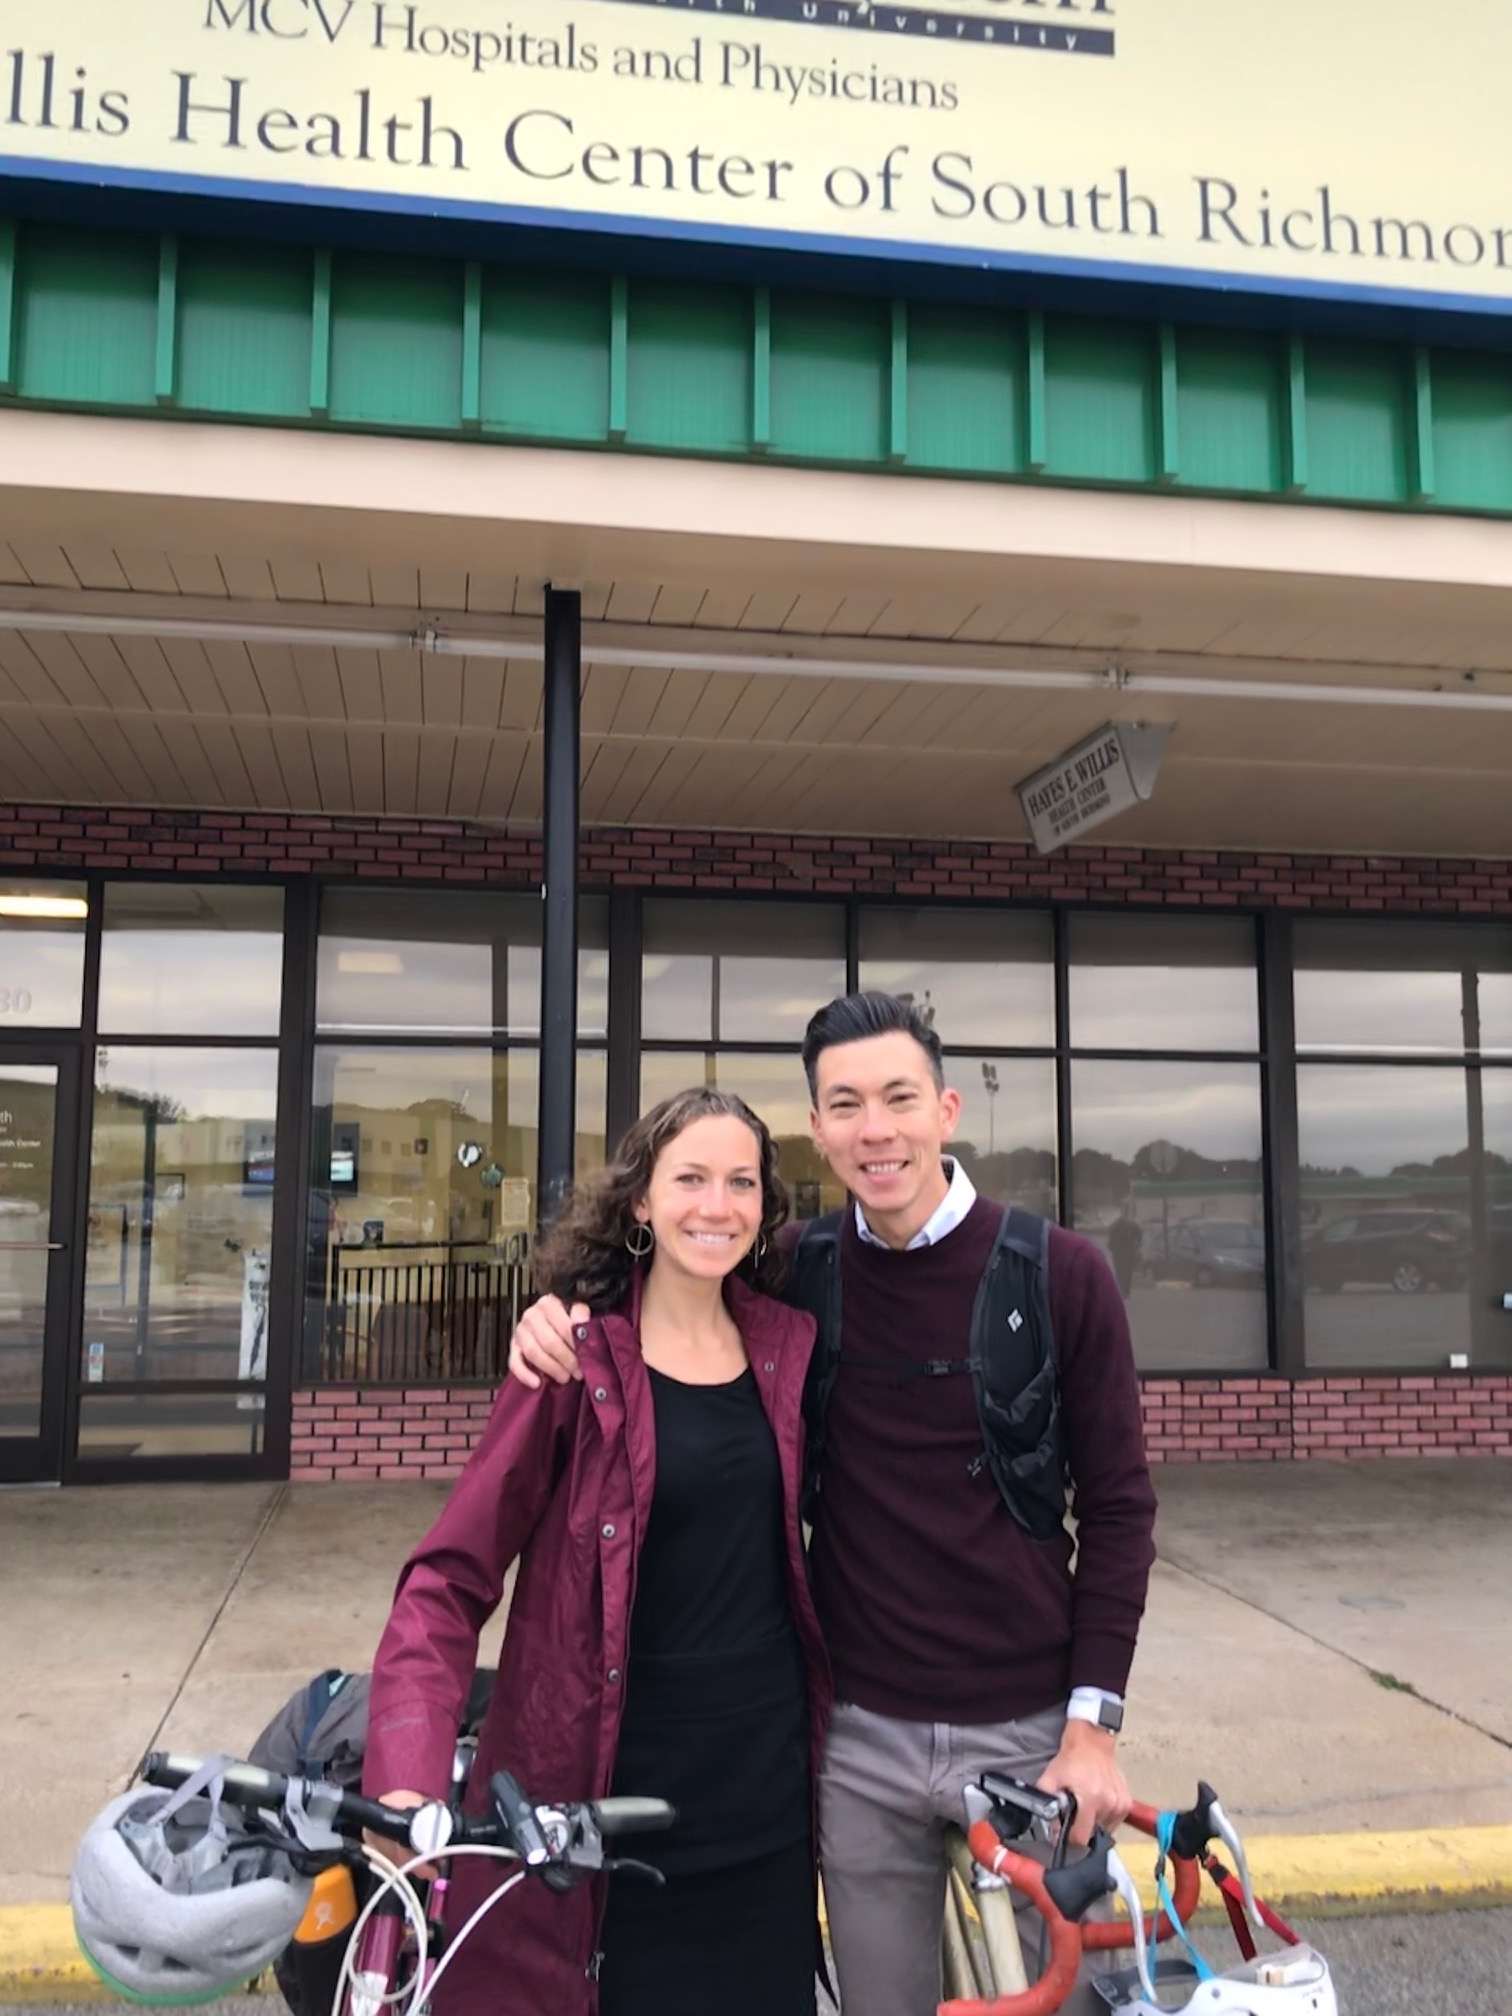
(407, 1999)
(392, 1877)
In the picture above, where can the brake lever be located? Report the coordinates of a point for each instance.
(623, 1865)
(1228, 1834)
(1128, 1890)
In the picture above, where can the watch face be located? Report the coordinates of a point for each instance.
(1110, 1717)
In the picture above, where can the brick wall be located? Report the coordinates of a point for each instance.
(204, 844)
(346, 1436)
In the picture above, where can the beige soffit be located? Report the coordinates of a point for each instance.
(70, 473)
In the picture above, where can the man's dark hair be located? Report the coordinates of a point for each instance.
(851, 1018)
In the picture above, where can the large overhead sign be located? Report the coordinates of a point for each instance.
(1278, 145)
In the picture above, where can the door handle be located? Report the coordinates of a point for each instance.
(32, 1246)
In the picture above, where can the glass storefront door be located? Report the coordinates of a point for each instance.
(38, 1122)
(174, 1347)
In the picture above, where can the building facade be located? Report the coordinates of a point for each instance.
(375, 564)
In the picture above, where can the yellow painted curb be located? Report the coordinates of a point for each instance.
(40, 1959)
(1445, 1868)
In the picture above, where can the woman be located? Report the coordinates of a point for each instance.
(661, 1638)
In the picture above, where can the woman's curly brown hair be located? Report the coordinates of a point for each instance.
(583, 1258)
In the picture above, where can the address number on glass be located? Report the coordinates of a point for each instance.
(15, 1001)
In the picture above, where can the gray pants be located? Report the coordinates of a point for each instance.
(887, 1792)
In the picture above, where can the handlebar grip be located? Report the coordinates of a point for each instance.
(626, 1814)
(244, 1784)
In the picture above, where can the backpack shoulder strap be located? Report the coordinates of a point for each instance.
(319, 1695)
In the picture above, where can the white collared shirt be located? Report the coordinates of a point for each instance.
(951, 1212)
(956, 1203)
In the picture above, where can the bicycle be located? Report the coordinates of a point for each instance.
(984, 1968)
(400, 1945)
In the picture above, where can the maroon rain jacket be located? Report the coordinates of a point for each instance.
(562, 1482)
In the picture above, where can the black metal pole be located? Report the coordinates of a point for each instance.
(559, 923)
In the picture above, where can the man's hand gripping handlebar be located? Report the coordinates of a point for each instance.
(1000, 1810)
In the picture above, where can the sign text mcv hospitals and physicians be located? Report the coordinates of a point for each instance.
(1277, 144)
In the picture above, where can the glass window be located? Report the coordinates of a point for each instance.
(187, 959)
(739, 972)
(980, 978)
(423, 962)
(1412, 989)
(1006, 1139)
(180, 1215)
(774, 1088)
(133, 1425)
(28, 1153)
(1386, 1214)
(422, 1206)
(41, 954)
(1166, 1176)
(1163, 983)
(1494, 1345)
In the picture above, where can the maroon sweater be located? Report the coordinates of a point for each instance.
(936, 1605)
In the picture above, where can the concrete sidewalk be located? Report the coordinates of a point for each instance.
(1330, 1645)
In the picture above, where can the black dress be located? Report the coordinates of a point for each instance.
(716, 1720)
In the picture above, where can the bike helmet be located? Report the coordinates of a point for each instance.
(174, 1901)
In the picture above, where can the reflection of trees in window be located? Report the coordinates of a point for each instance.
(1023, 1176)
(1108, 1179)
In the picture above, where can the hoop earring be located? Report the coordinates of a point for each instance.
(639, 1248)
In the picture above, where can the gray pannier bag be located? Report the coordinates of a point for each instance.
(321, 1732)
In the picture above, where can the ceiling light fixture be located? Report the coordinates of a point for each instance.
(15, 904)
(429, 640)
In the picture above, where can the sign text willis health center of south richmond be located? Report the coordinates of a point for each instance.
(1274, 145)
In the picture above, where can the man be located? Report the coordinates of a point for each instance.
(961, 1642)
(1125, 1243)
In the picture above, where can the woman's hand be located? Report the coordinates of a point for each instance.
(396, 1851)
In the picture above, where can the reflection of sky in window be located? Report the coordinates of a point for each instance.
(987, 979)
(1496, 1108)
(47, 966)
(422, 986)
(1020, 1115)
(1374, 1120)
(1496, 1013)
(1213, 1109)
(761, 1000)
(1164, 1008)
(1163, 983)
(207, 1084)
(163, 983)
(1397, 986)
(1379, 1011)
(770, 964)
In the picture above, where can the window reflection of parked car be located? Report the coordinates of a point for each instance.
(1213, 1252)
(1404, 1250)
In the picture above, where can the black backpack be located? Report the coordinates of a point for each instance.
(1011, 1362)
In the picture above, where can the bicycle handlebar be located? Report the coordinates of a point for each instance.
(545, 1837)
